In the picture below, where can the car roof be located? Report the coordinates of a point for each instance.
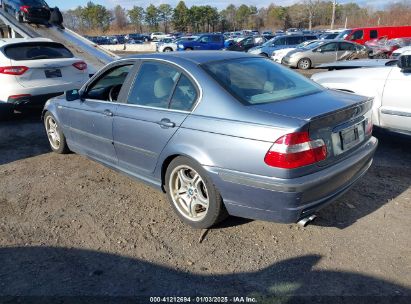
(197, 57)
(7, 41)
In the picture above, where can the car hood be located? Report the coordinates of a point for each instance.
(312, 106)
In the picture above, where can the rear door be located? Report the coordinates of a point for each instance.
(160, 99)
(395, 111)
(217, 42)
(48, 64)
(345, 51)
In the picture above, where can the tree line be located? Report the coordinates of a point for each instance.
(96, 18)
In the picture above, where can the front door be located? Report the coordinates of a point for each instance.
(395, 111)
(158, 103)
(327, 53)
(91, 118)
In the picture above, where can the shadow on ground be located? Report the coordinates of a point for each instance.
(47, 273)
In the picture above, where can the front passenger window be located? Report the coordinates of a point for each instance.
(108, 86)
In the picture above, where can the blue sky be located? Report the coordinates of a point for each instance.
(64, 4)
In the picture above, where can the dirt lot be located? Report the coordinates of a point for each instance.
(71, 227)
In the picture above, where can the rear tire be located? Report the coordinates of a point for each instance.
(167, 49)
(192, 194)
(304, 64)
(56, 138)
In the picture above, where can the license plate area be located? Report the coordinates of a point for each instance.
(349, 137)
(52, 73)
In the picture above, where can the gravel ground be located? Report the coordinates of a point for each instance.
(71, 227)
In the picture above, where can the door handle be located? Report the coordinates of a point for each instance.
(108, 113)
(166, 123)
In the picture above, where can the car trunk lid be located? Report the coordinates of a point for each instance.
(340, 119)
(46, 72)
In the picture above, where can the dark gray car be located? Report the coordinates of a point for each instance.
(220, 132)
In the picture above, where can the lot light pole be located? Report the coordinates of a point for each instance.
(333, 16)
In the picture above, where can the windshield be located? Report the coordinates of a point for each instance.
(258, 81)
(313, 45)
(343, 34)
(268, 43)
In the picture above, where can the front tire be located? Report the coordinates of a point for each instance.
(188, 49)
(167, 49)
(56, 138)
(304, 64)
(192, 194)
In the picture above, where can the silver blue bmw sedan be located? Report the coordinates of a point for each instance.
(221, 133)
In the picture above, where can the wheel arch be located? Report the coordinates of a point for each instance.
(188, 151)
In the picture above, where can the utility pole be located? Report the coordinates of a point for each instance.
(333, 16)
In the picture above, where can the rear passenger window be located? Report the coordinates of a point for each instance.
(373, 34)
(185, 95)
(36, 51)
(162, 86)
(154, 85)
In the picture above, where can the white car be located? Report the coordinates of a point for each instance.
(387, 85)
(172, 46)
(33, 70)
(158, 35)
(398, 52)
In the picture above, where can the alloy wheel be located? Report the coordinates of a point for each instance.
(189, 193)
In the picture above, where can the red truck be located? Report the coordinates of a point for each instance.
(364, 34)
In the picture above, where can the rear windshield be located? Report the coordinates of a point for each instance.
(37, 50)
(259, 81)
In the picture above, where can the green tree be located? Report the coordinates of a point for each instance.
(96, 16)
(181, 17)
(165, 12)
(152, 17)
(242, 15)
(136, 15)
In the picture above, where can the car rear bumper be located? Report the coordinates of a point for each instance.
(289, 200)
(35, 101)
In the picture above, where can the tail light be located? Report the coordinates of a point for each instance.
(19, 99)
(295, 150)
(368, 126)
(13, 70)
(25, 8)
(80, 65)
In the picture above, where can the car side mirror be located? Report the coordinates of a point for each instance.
(404, 63)
(72, 95)
(319, 50)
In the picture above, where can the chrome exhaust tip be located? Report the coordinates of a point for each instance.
(305, 221)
